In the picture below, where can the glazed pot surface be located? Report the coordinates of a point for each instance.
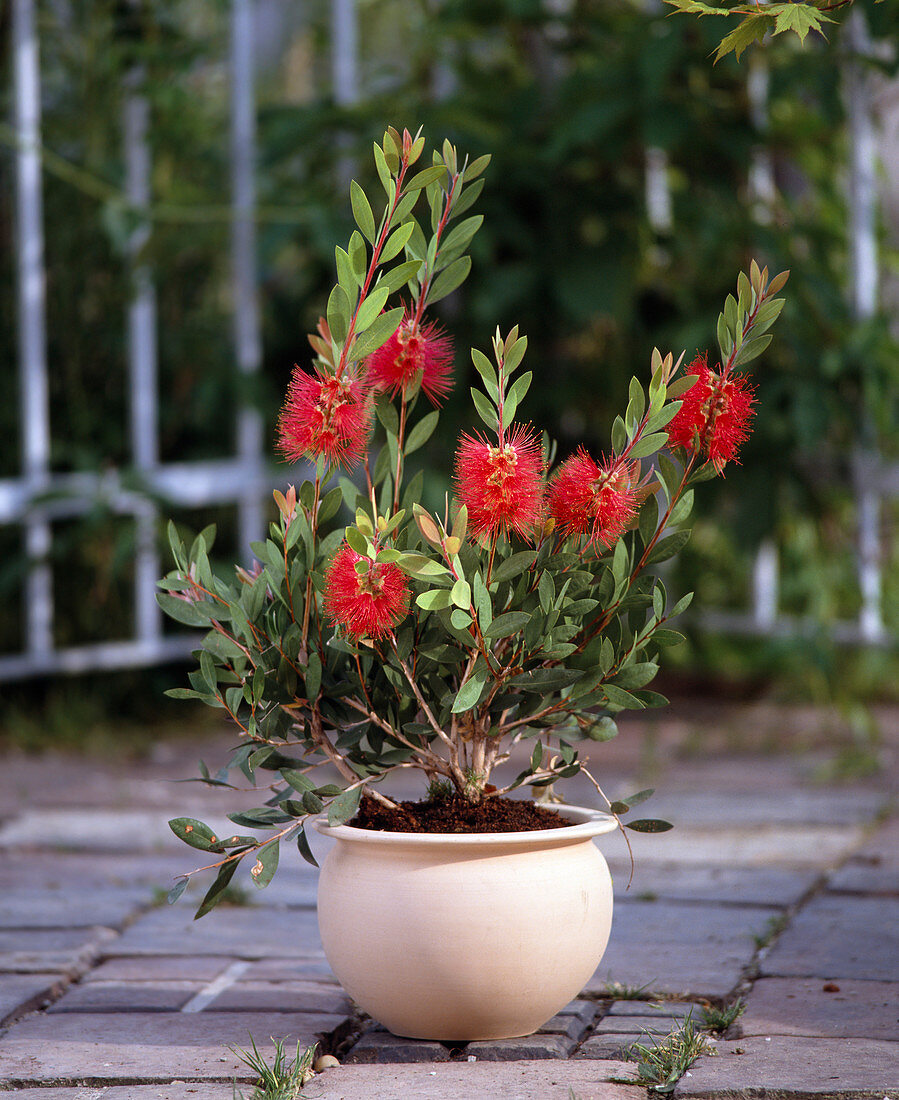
(465, 936)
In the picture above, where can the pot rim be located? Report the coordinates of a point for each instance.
(587, 823)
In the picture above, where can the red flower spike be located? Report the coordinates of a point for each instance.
(594, 499)
(365, 605)
(325, 416)
(714, 416)
(501, 485)
(414, 351)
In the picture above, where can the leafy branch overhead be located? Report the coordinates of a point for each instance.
(755, 21)
(513, 625)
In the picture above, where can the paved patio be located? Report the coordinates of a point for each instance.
(771, 887)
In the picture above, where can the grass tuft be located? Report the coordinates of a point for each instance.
(663, 1061)
(284, 1079)
(720, 1019)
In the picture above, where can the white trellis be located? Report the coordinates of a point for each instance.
(244, 479)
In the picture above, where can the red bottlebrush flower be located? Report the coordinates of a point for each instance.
(414, 351)
(365, 605)
(595, 499)
(501, 484)
(325, 416)
(714, 416)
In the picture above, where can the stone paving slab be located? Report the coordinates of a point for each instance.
(768, 809)
(774, 886)
(97, 830)
(148, 996)
(527, 1048)
(143, 1047)
(839, 936)
(534, 1080)
(380, 1047)
(303, 968)
(282, 997)
(88, 871)
(611, 1045)
(772, 846)
(69, 951)
(72, 908)
(20, 993)
(874, 868)
(795, 1069)
(803, 1006)
(176, 1090)
(244, 932)
(148, 968)
(678, 1010)
(685, 950)
(636, 1026)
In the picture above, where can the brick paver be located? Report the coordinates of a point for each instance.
(108, 995)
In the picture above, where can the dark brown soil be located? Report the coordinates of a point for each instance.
(453, 814)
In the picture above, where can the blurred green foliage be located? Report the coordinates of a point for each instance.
(567, 100)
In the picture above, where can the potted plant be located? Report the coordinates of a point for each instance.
(512, 626)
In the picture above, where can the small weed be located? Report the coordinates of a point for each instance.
(773, 928)
(284, 1079)
(663, 1061)
(621, 992)
(720, 1019)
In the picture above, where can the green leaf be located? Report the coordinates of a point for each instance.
(371, 308)
(399, 275)
(648, 825)
(434, 600)
(669, 546)
(648, 445)
(426, 176)
(215, 891)
(195, 833)
(640, 796)
(516, 395)
(181, 610)
(603, 730)
(504, 625)
(365, 219)
(304, 849)
(397, 241)
(447, 281)
(339, 312)
(422, 432)
(543, 680)
(618, 697)
(176, 891)
(469, 694)
(485, 409)
(461, 235)
(460, 594)
(344, 807)
(665, 637)
(751, 29)
(300, 782)
(800, 18)
(263, 870)
(380, 330)
(752, 349)
(513, 566)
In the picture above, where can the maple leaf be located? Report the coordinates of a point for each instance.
(800, 18)
(751, 29)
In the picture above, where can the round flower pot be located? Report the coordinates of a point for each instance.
(458, 936)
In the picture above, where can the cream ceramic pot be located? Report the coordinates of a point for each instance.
(465, 936)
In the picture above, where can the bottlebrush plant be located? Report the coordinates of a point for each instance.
(527, 614)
